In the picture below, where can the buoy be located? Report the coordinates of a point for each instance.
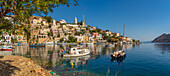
(52, 73)
(62, 50)
(72, 64)
(73, 73)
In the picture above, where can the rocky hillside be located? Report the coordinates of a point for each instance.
(163, 38)
(20, 66)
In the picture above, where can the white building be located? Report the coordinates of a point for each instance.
(5, 39)
(80, 38)
(62, 21)
(72, 25)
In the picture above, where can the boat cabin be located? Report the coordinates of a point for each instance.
(76, 50)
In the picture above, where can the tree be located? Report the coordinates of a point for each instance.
(71, 39)
(58, 35)
(5, 24)
(26, 8)
(21, 10)
(62, 39)
(50, 35)
(133, 40)
(48, 18)
(37, 28)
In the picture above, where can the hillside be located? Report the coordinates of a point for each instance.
(163, 38)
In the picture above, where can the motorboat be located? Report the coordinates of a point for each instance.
(6, 48)
(118, 54)
(76, 52)
(50, 43)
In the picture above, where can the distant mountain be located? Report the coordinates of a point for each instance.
(163, 38)
(146, 41)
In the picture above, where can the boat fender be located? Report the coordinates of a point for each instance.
(115, 55)
(62, 50)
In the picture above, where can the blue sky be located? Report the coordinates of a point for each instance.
(144, 19)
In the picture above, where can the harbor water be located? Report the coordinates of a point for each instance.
(148, 59)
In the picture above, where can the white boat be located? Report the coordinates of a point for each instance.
(49, 43)
(75, 52)
(6, 48)
(118, 54)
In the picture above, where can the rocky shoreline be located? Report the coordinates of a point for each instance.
(20, 66)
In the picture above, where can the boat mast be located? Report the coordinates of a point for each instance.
(85, 31)
(124, 31)
(123, 35)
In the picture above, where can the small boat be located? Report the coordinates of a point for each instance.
(50, 43)
(21, 44)
(37, 45)
(6, 48)
(120, 59)
(75, 52)
(110, 45)
(118, 54)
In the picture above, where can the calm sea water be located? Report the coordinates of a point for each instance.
(148, 59)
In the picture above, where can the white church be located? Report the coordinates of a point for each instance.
(75, 23)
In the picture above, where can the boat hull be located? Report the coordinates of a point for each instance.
(6, 49)
(73, 55)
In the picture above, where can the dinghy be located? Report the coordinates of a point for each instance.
(118, 54)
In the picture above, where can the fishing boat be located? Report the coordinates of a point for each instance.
(6, 48)
(118, 54)
(75, 52)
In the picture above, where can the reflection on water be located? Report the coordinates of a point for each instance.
(119, 60)
(147, 59)
(165, 48)
(50, 58)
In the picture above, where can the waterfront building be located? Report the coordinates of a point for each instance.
(54, 31)
(128, 39)
(20, 38)
(58, 24)
(94, 28)
(72, 25)
(95, 34)
(117, 34)
(80, 39)
(5, 38)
